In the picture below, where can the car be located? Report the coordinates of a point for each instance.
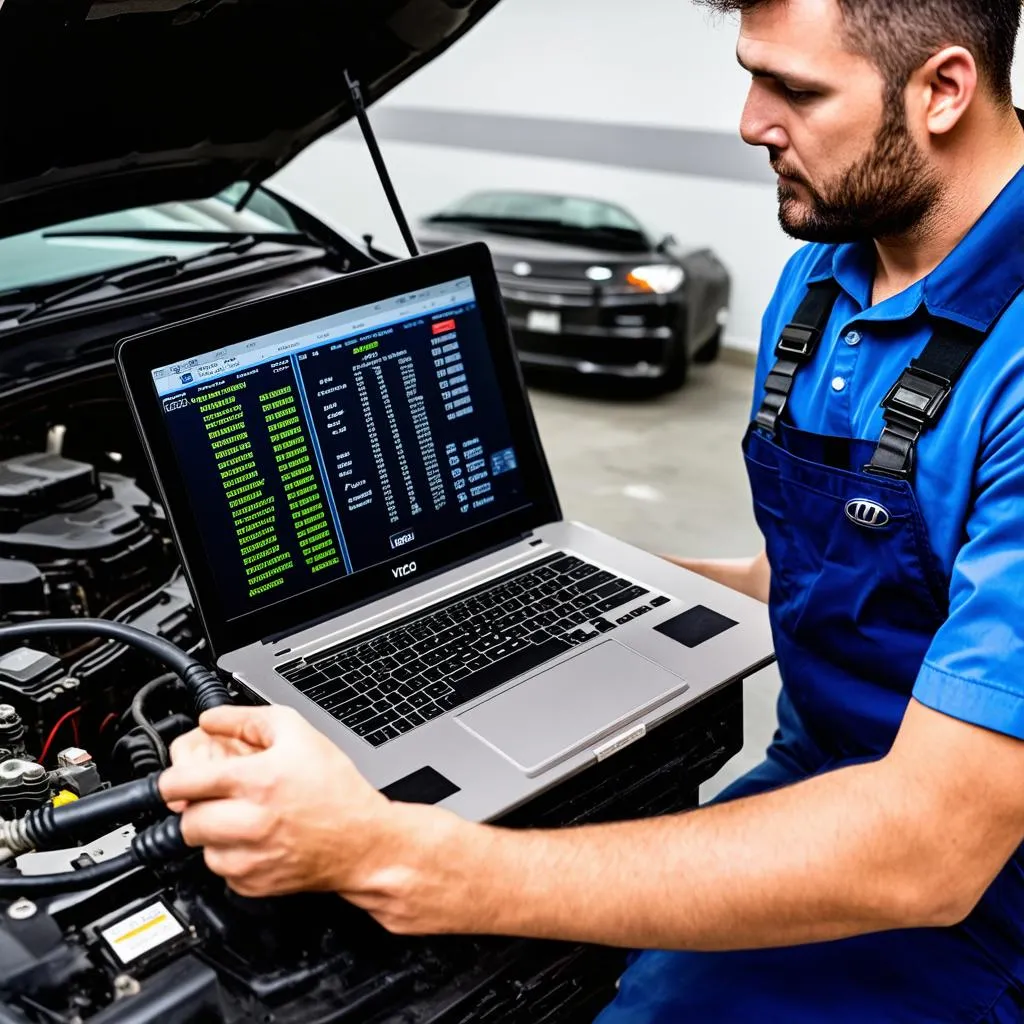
(588, 288)
(134, 195)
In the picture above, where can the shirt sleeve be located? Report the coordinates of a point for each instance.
(974, 669)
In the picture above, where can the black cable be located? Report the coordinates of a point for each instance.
(14, 886)
(49, 826)
(205, 688)
(157, 845)
(356, 92)
(138, 713)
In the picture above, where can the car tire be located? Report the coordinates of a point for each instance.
(710, 350)
(678, 368)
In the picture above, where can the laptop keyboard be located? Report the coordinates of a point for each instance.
(383, 684)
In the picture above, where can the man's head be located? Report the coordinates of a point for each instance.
(856, 101)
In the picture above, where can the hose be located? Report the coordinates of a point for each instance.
(154, 846)
(49, 827)
(205, 688)
(138, 713)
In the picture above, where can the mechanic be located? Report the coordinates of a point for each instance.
(870, 869)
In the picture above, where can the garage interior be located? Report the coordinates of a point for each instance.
(593, 147)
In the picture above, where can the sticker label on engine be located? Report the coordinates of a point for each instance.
(142, 931)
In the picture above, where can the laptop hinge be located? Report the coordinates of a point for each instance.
(276, 638)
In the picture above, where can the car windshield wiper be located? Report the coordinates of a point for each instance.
(539, 226)
(186, 235)
(156, 268)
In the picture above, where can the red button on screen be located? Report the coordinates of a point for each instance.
(443, 327)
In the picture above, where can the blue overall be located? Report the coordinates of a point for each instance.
(862, 621)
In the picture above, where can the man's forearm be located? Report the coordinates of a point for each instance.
(817, 861)
(750, 576)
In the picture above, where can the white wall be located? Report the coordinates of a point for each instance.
(663, 63)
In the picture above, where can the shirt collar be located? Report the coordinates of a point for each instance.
(972, 286)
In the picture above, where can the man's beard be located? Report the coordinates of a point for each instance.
(884, 195)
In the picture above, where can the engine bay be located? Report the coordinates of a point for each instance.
(81, 536)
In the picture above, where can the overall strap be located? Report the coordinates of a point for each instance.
(918, 399)
(795, 348)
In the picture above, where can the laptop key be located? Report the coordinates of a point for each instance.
(351, 721)
(610, 603)
(352, 706)
(305, 679)
(322, 690)
(377, 722)
(419, 700)
(602, 625)
(401, 725)
(377, 738)
(414, 718)
(567, 564)
(529, 657)
(437, 690)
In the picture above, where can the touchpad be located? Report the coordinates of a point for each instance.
(561, 711)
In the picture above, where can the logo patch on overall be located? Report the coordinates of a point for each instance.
(862, 512)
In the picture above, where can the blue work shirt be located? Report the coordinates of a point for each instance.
(969, 477)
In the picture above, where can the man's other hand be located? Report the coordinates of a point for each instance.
(276, 806)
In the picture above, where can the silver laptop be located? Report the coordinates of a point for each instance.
(371, 533)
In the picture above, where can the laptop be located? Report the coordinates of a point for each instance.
(369, 527)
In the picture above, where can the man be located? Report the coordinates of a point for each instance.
(869, 870)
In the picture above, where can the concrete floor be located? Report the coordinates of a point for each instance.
(667, 475)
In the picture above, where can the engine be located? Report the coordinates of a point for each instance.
(166, 942)
(75, 542)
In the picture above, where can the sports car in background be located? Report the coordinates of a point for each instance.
(588, 288)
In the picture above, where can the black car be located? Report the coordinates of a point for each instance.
(588, 288)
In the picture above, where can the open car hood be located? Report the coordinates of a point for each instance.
(109, 104)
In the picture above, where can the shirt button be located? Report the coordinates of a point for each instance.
(838, 383)
(853, 338)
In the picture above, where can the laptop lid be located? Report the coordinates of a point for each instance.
(321, 448)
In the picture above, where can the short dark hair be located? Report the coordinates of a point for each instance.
(898, 36)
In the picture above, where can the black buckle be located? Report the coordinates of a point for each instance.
(797, 341)
(917, 397)
(904, 472)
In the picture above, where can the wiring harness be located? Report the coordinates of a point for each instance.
(49, 827)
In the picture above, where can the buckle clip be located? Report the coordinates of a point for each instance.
(917, 398)
(797, 341)
(904, 472)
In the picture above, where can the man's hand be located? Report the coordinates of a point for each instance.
(278, 808)
(750, 576)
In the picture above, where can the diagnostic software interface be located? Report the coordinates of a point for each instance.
(340, 444)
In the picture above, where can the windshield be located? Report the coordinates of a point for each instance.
(564, 211)
(568, 218)
(65, 251)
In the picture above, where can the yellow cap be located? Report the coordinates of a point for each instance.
(65, 796)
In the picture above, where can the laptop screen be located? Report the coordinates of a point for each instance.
(320, 451)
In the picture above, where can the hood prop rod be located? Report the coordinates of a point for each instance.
(356, 92)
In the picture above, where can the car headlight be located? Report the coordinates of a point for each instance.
(660, 278)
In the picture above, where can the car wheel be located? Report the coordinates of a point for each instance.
(710, 350)
(677, 369)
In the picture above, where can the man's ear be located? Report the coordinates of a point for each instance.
(940, 92)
